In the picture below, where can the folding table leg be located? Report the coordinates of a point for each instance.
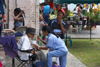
(13, 62)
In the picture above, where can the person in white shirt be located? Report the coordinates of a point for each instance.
(78, 7)
(25, 44)
(87, 8)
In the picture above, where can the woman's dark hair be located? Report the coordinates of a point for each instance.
(18, 10)
(48, 29)
(81, 7)
(78, 4)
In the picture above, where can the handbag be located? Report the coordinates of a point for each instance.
(38, 63)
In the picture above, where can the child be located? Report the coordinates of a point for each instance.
(42, 23)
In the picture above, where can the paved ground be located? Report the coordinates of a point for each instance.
(86, 33)
(72, 61)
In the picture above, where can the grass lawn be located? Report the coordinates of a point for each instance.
(88, 52)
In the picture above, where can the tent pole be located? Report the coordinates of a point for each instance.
(90, 24)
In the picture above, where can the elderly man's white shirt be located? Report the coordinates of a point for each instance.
(24, 44)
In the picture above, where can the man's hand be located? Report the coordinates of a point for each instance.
(59, 20)
(35, 52)
(36, 46)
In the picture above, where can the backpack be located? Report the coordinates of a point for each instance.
(38, 63)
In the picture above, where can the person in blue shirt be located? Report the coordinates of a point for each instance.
(46, 10)
(55, 44)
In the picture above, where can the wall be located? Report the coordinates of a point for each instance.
(31, 8)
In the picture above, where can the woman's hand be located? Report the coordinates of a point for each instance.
(36, 46)
(38, 37)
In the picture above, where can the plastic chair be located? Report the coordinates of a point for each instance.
(80, 28)
(22, 62)
(69, 39)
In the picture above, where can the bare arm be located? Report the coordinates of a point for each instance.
(44, 24)
(38, 37)
(62, 28)
(39, 48)
(43, 48)
(18, 18)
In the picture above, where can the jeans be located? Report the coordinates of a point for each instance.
(46, 17)
(84, 22)
(41, 56)
(57, 53)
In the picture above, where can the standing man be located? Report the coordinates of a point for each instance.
(46, 10)
(57, 25)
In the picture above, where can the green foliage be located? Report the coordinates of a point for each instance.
(55, 13)
(66, 14)
(95, 18)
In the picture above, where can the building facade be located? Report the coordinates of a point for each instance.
(31, 9)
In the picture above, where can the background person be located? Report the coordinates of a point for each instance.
(42, 23)
(87, 8)
(46, 10)
(18, 20)
(78, 7)
(57, 25)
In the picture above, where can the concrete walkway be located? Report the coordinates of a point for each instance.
(72, 61)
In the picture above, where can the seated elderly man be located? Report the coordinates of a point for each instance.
(25, 44)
